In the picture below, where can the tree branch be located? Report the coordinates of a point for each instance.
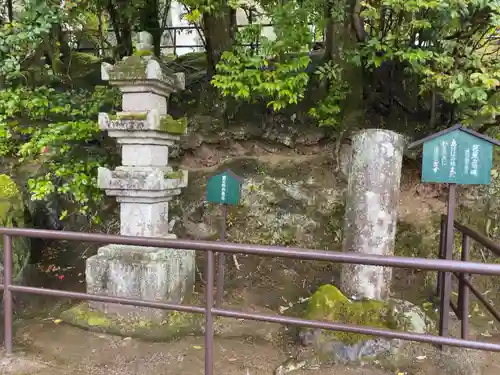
(357, 21)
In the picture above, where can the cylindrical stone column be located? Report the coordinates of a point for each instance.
(371, 210)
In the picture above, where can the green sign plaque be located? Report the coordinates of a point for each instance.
(457, 157)
(224, 188)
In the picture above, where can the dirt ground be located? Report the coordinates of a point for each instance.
(66, 350)
(46, 348)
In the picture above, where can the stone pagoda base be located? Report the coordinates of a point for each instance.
(143, 273)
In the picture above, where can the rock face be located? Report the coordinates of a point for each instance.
(371, 210)
(12, 215)
(293, 203)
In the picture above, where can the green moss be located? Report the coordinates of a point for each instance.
(169, 125)
(12, 215)
(133, 67)
(96, 320)
(174, 175)
(328, 303)
(8, 188)
(129, 116)
(176, 325)
(143, 53)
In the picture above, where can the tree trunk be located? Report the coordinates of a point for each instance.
(219, 31)
(121, 27)
(342, 34)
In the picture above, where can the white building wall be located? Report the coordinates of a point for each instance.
(192, 37)
(188, 37)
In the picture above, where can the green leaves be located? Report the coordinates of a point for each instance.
(56, 130)
(328, 110)
(277, 71)
(20, 40)
(446, 46)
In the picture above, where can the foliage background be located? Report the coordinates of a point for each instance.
(412, 66)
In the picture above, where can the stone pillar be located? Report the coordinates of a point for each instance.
(371, 210)
(143, 186)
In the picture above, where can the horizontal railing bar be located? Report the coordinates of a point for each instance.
(266, 318)
(273, 251)
(420, 337)
(480, 238)
(97, 298)
(481, 299)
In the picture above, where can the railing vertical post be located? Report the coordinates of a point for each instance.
(444, 306)
(7, 294)
(209, 319)
(442, 253)
(463, 293)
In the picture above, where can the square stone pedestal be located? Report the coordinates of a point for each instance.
(145, 273)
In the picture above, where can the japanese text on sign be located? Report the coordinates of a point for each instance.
(475, 160)
(223, 188)
(435, 163)
(444, 146)
(453, 158)
(457, 157)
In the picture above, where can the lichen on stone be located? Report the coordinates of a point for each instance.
(173, 126)
(12, 215)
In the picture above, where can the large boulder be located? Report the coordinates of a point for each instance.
(12, 215)
(328, 303)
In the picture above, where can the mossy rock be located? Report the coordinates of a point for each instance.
(178, 324)
(12, 215)
(329, 304)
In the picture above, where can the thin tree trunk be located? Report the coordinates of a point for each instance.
(219, 31)
(341, 35)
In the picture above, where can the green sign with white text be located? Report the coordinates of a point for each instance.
(224, 188)
(457, 157)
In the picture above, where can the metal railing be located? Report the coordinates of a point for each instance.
(465, 286)
(210, 311)
(173, 33)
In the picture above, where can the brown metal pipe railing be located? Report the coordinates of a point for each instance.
(465, 285)
(261, 317)
(270, 251)
(480, 297)
(209, 311)
(491, 245)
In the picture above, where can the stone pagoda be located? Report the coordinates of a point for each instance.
(143, 185)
